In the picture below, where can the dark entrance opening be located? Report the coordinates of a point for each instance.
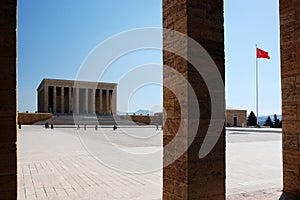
(235, 120)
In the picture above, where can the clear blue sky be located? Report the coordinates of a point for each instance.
(54, 38)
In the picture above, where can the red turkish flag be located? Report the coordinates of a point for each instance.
(262, 54)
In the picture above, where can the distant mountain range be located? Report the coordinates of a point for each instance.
(262, 119)
(138, 112)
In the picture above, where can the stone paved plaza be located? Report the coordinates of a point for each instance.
(253, 164)
(66, 163)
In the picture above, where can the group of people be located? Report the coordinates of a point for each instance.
(96, 127)
(47, 125)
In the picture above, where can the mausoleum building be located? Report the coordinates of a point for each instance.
(80, 97)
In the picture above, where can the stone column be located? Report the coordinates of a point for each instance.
(107, 102)
(93, 101)
(191, 177)
(290, 87)
(114, 101)
(8, 98)
(54, 99)
(70, 99)
(46, 99)
(86, 101)
(101, 102)
(75, 100)
(62, 100)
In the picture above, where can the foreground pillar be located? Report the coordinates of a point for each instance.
(190, 177)
(8, 161)
(290, 84)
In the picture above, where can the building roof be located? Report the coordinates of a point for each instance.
(75, 83)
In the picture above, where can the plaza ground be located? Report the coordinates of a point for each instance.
(66, 163)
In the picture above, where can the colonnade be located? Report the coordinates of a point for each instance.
(65, 99)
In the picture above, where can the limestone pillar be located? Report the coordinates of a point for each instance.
(93, 104)
(114, 102)
(190, 177)
(107, 102)
(62, 100)
(54, 99)
(75, 100)
(46, 99)
(70, 99)
(86, 100)
(8, 96)
(101, 101)
(290, 87)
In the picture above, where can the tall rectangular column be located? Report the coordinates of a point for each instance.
(62, 100)
(107, 102)
(290, 87)
(8, 100)
(101, 101)
(93, 100)
(54, 99)
(114, 101)
(46, 98)
(70, 99)
(86, 100)
(185, 174)
(75, 100)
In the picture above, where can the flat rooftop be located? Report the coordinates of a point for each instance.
(74, 83)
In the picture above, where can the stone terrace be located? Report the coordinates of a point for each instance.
(58, 164)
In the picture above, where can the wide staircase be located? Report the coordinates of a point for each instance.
(70, 119)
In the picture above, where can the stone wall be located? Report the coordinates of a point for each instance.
(8, 159)
(241, 116)
(31, 118)
(290, 87)
(144, 119)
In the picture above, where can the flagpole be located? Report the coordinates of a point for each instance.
(256, 86)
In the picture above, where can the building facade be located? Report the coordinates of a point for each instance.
(80, 97)
(236, 118)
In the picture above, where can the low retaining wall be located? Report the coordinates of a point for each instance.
(145, 119)
(140, 119)
(31, 118)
